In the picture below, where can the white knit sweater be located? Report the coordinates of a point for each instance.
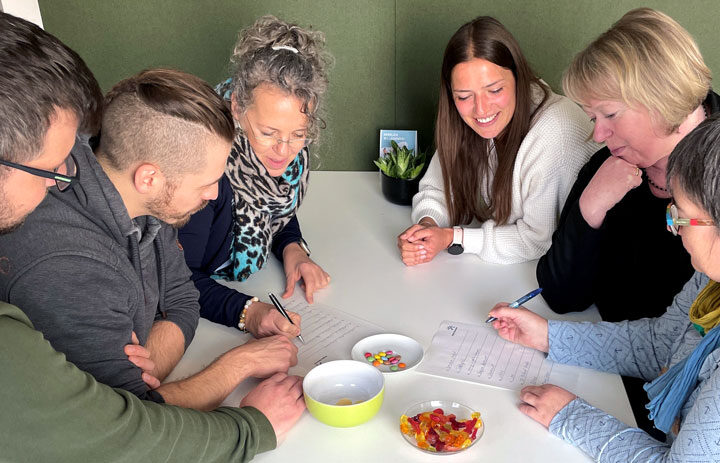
(547, 163)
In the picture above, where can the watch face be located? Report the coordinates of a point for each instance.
(455, 249)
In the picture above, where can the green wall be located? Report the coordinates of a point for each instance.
(387, 52)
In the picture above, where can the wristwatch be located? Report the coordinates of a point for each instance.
(457, 243)
(304, 246)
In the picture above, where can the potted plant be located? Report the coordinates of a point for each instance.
(400, 170)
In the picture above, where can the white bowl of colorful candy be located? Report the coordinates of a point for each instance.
(389, 353)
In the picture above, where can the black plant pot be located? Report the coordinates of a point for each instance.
(398, 190)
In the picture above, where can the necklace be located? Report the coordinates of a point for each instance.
(655, 185)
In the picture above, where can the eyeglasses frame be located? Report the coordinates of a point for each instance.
(673, 223)
(269, 141)
(67, 180)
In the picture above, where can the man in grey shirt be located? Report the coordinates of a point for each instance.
(107, 258)
(51, 410)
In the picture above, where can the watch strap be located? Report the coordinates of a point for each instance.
(457, 235)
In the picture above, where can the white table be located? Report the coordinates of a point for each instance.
(351, 230)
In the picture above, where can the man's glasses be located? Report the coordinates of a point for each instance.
(64, 176)
(674, 222)
(268, 141)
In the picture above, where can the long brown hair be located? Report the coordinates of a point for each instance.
(464, 155)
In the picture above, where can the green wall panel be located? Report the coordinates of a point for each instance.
(387, 52)
(549, 32)
(118, 39)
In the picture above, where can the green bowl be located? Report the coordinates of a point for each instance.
(328, 386)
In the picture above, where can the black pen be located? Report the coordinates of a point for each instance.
(284, 313)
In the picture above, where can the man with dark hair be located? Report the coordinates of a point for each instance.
(52, 411)
(47, 94)
(112, 269)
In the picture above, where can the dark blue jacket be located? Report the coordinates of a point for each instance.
(206, 240)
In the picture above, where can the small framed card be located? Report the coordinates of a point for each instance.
(401, 137)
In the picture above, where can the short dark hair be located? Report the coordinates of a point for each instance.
(39, 75)
(160, 116)
(694, 166)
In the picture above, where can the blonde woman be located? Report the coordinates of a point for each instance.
(677, 353)
(644, 84)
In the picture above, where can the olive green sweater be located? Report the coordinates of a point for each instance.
(52, 411)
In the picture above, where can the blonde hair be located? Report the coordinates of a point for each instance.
(646, 58)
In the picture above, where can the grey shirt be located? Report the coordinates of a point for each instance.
(87, 276)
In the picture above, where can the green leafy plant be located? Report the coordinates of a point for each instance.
(401, 162)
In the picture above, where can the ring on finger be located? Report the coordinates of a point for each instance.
(637, 171)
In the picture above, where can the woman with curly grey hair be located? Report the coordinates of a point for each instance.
(279, 78)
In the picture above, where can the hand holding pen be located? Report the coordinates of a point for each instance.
(520, 325)
(519, 302)
(284, 313)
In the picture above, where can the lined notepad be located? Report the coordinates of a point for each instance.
(476, 353)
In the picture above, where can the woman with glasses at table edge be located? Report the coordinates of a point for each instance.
(276, 92)
(678, 353)
(645, 85)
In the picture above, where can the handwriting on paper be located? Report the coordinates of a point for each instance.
(476, 353)
(329, 334)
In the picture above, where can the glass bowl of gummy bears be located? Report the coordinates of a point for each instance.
(441, 426)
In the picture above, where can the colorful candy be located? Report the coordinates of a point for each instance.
(437, 432)
(385, 357)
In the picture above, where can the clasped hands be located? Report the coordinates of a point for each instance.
(421, 242)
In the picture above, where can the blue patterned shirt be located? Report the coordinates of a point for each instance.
(641, 348)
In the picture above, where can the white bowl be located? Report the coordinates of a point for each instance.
(410, 350)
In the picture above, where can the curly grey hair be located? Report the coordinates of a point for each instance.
(302, 74)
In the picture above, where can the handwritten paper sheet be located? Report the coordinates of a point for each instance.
(476, 353)
(329, 334)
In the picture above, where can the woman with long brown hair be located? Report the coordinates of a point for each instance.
(508, 151)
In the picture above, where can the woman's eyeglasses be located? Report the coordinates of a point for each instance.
(268, 141)
(64, 176)
(674, 222)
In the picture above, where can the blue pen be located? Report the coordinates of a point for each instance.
(519, 302)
